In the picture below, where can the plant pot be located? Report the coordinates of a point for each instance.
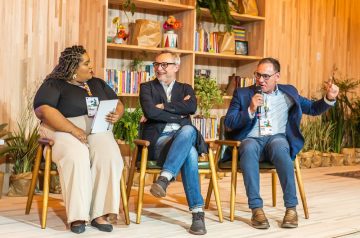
(337, 159)
(305, 159)
(349, 155)
(1, 183)
(325, 159)
(316, 160)
(357, 155)
(19, 184)
(170, 40)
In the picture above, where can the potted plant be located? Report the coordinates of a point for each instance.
(21, 145)
(208, 93)
(341, 114)
(219, 10)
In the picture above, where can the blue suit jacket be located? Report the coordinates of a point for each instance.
(237, 118)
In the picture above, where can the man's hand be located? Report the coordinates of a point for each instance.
(256, 101)
(160, 106)
(187, 97)
(332, 91)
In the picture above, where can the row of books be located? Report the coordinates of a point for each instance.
(127, 81)
(239, 33)
(210, 41)
(206, 126)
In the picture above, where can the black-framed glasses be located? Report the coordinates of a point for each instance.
(164, 65)
(264, 76)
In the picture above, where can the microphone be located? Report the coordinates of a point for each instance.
(258, 91)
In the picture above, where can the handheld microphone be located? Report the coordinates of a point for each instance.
(258, 91)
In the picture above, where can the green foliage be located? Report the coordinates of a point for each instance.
(317, 134)
(3, 132)
(208, 93)
(21, 146)
(129, 6)
(136, 64)
(219, 10)
(126, 128)
(346, 131)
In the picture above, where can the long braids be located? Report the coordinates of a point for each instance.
(69, 61)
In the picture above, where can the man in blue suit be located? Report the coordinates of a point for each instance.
(266, 119)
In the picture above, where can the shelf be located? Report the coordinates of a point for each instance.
(156, 5)
(205, 14)
(128, 95)
(227, 97)
(227, 56)
(136, 48)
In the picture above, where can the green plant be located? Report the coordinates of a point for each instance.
(341, 115)
(21, 145)
(317, 134)
(126, 128)
(3, 132)
(208, 93)
(219, 10)
(136, 64)
(129, 6)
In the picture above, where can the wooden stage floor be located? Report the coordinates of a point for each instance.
(334, 207)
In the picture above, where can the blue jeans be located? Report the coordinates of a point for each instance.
(274, 149)
(182, 155)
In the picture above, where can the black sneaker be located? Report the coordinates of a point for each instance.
(158, 189)
(198, 224)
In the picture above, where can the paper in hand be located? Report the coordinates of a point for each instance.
(100, 124)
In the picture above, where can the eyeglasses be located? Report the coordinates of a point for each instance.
(265, 76)
(164, 65)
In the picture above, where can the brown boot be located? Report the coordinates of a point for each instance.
(290, 219)
(258, 219)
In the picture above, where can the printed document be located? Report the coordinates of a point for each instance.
(99, 123)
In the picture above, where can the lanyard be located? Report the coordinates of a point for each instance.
(87, 88)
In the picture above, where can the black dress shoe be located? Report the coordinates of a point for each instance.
(78, 228)
(102, 227)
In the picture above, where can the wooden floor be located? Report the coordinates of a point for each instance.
(334, 206)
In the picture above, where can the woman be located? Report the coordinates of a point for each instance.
(89, 165)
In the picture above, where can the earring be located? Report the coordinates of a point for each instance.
(74, 76)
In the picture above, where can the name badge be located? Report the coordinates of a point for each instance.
(265, 127)
(92, 104)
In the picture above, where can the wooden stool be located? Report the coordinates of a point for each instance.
(46, 143)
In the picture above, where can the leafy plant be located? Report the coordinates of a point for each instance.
(126, 128)
(136, 64)
(317, 134)
(208, 93)
(21, 147)
(129, 6)
(3, 132)
(219, 10)
(341, 115)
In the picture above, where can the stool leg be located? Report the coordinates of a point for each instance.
(234, 166)
(124, 199)
(215, 185)
(144, 155)
(35, 174)
(46, 186)
(131, 173)
(273, 180)
(208, 195)
(301, 188)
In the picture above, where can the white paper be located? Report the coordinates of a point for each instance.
(99, 123)
(2, 142)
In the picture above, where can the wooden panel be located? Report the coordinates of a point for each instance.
(309, 37)
(93, 17)
(34, 33)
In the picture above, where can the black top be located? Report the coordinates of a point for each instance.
(70, 99)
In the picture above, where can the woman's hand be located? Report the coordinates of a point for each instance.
(112, 117)
(79, 134)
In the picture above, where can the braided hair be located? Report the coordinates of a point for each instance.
(69, 61)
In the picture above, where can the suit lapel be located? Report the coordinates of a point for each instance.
(161, 90)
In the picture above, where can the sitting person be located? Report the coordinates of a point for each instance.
(167, 106)
(272, 134)
(90, 165)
